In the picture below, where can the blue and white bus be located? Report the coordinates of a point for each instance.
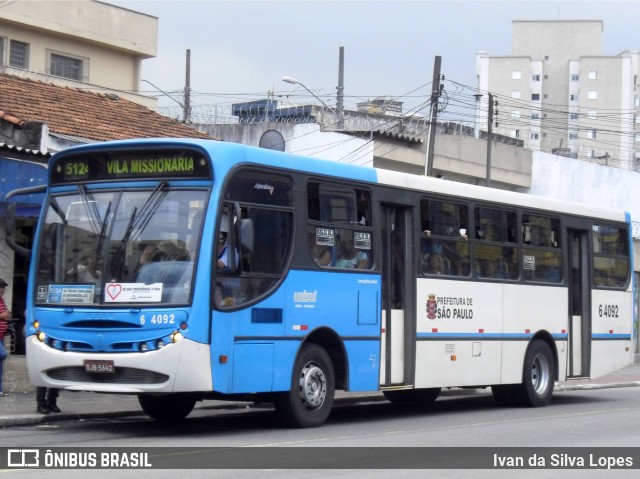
(183, 270)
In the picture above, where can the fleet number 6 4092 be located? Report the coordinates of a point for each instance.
(158, 319)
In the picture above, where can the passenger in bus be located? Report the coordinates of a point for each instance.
(163, 251)
(490, 268)
(222, 249)
(320, 253)
(351, 257)
(86, 271)
(434, 263)
(223, 296)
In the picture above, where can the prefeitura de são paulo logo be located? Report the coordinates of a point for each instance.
(432, 306)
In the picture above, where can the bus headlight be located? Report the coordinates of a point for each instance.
(41, 336)
(177, 336)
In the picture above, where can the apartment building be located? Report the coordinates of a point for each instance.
(560, 93)
(80, 44)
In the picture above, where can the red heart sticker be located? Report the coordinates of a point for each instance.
(113, 290)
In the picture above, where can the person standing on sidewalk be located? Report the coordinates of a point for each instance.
(5, 317)
(46, 398)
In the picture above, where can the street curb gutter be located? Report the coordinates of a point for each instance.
(31, 419)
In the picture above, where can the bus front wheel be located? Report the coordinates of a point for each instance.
(538, 377)
(309, 401)
(166, 408)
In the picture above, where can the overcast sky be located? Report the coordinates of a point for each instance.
(240, 50)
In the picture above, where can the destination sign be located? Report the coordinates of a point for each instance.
(129, 165)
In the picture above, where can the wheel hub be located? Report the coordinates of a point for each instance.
(313, 386)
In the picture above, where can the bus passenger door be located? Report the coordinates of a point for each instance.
(398, 292)
(579, 304)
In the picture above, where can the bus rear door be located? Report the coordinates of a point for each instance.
(398, 286)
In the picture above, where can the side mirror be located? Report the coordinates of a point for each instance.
(10, 226)
(10, 223)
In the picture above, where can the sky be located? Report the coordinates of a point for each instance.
(240, 50)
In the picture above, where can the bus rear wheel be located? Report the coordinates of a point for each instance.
(425, 396)
(309, 401)
(538, 377)
(166, 407)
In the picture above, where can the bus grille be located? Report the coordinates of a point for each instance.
(121, 376)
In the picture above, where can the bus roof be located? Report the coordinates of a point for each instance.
(230, 154)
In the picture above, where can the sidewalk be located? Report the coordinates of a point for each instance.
(18, 407)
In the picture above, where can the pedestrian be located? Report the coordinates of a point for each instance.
(46, 398)
(5, 317)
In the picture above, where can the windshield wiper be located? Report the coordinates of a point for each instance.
(137, 223)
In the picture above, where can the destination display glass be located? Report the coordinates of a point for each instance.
(117, 165)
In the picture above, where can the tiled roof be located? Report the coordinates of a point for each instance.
(80, 113)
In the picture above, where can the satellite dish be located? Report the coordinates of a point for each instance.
(272, 140)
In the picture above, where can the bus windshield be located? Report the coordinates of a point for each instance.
(115, 247)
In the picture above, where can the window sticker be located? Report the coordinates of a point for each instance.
(133, 293)
(325, 237)
(70, 294)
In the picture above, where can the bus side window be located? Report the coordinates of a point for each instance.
(611, 256)
(444, 238)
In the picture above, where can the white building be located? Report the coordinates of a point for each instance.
(560, 93)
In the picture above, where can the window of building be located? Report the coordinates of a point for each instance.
(2, 42)
(592, 114)
(591, 154)
(637, 118)
(593, 74)
(445, 238)
(515, 133)
(573, 135)
(574, 97)
(591, 134)
(18, 54)
(593, 95)
(535, 115)
(516, 75)
(573, 116)
(542, 256)
(535, 97)
(535, 135)
(66, 66)
(535, 77)
(515, 94)
(575, 77)
(637, 138)
(515, 114)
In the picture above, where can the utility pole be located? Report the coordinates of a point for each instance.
(489, 140)
(186, 114)
(340, 88)
(435, 94)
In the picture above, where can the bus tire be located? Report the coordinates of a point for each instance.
(538, 378)
(425, 395)
(166, 407)
(309, 401)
